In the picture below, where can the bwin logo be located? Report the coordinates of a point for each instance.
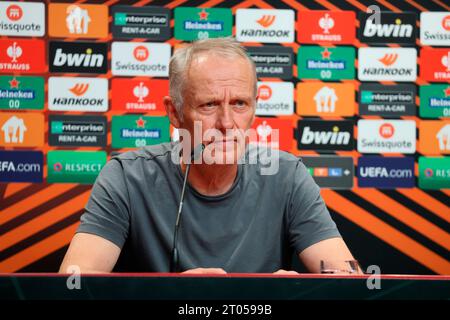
(325, 137)
(77, 59)
(397, 30)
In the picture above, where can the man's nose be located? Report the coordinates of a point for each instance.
(225, 117)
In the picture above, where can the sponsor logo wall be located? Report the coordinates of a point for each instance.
(366, 107)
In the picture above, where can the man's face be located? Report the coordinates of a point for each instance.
(220, 95)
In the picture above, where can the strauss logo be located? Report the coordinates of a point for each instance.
(264, 130)
(140, 92)
(326, 23)
(14, 52)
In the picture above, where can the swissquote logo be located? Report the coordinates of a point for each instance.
(275, 98)
(140, 59)
(78, 94)
(435, 28)
(24, 56)
(386, 136)
(78, 57)
(387, 64)
(326, 26)
(392, 27)
(22, 19)
(325, 135)
(260, 25)
(435, 64)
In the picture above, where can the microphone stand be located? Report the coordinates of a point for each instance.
(174, 262)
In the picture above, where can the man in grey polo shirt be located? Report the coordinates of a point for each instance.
(237, 215)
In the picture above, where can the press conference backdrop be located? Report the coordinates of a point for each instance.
(365, 100)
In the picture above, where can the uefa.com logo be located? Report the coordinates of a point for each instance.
(227, 148)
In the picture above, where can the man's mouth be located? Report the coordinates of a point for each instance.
(220, 141)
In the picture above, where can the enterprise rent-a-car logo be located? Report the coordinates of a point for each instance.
(272, 62)
(151, 23)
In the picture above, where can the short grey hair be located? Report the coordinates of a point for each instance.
(182, 58)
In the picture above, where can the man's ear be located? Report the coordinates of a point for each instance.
(171, 111)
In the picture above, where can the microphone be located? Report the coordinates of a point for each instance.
(174, 263)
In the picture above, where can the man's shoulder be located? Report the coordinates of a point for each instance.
(147, 153)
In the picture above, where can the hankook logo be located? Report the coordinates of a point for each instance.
(77, 94)
(387, 64)
(261, 25)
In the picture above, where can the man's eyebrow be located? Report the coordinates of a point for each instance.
(207, 97)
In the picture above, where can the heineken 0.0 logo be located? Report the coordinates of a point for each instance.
(434, 101)
(202, 23)
(326, 63)
(21, 93)
(133, 131)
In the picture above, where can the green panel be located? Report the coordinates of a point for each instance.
(20, 93)
(131, 131)
(434, 101)
(326, 63)
(434, 172)
(74, 166)
(201, 23)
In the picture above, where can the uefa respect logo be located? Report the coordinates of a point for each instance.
(235, 146)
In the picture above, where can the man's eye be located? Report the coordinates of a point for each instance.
(240, 103)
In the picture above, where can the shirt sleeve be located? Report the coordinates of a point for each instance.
(107, 213)
(309, 219)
